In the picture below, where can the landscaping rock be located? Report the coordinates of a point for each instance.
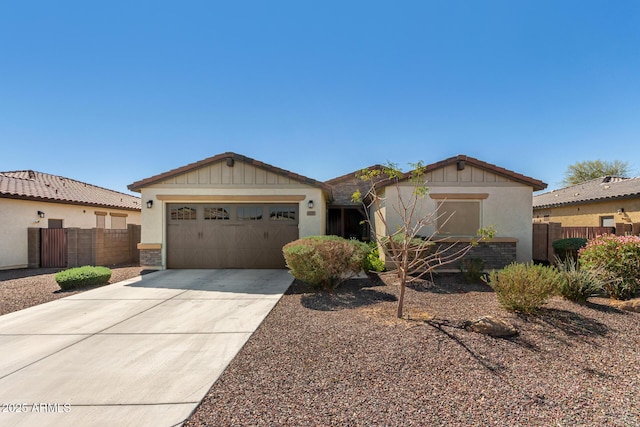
(629, 305)
(491, 326)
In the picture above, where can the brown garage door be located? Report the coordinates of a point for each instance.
(229, 235)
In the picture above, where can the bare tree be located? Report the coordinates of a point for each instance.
(412, 254)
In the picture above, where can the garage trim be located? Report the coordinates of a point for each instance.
(228, 198)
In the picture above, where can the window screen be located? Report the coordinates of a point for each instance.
(118, 222)
(607, 221)
(459, 218)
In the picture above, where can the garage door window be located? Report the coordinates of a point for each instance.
(250, 213)
(282, 214)
(216, 213)
(183, 213)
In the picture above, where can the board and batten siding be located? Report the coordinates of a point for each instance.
(221, 174)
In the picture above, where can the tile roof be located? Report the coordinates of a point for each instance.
(344, 186)
(604, 188)
(138, 185)
(32, 185)
(536, 184)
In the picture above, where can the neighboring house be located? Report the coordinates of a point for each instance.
(231, 211)
(30, 199)
(601, 202)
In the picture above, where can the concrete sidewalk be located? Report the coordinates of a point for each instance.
(142, 352)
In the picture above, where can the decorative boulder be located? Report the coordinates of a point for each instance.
(491, 326)
(629, 305)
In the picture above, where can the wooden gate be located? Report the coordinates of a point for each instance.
(544, 234)
(53, 247)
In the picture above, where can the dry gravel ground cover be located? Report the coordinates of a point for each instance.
(342, 359)
(32, 286)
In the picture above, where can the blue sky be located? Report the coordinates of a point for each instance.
(113, 92)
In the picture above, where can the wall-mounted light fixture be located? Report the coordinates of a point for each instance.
(621, 211)
(149, 204)
(310, 204)
(41, 214)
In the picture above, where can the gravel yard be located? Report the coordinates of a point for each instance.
(343, 359)
(24, 288)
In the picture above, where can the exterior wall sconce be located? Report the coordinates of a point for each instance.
(41, 214)
(310, 204)
(621, 211)
(149, 204)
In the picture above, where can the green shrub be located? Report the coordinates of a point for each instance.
(617, 261)
(372, 261)
(81, 277)
(568, 248)
(577, 284)
(524, 287)
(325, 261)
(472, 269)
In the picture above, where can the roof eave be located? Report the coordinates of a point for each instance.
(66, 202)
(535, 184)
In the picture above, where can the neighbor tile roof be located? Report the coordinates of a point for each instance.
(599, 189)
(138, 185)
(32, 185)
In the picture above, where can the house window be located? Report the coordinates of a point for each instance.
(101, 219)
(607, 221)
(216, 213)
(459, 217)
(282, 213)
(118, 221)
(250, 213)
(55, 223)
(183, 213)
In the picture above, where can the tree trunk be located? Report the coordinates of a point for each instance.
(403, 285)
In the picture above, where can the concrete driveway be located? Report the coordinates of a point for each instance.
(142, 352)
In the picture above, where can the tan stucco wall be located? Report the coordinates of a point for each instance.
(588, 215)
(506, 205)
(219, 184)
(16, 216)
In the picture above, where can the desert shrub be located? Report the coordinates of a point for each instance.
(524, 287)
(568, 248)
(617, 261)
(325, 261)
(372, 261)
(578, 284)
(472, 269)
(81, 277)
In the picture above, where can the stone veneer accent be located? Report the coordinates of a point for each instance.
(496, 255)
(151, 258)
